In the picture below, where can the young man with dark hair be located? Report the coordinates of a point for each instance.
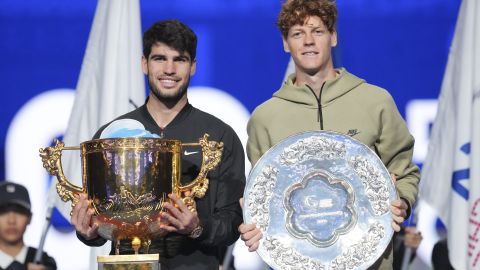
(195, 238)
(15, 216)
(319, 97)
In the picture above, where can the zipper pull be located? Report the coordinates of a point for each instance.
(162, 129)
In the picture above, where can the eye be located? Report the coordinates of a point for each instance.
(319, 32)
(297, 34)
(158, 58)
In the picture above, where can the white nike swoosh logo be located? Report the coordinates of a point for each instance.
(186, 153)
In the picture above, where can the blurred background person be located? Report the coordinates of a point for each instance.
(15, 216)
(408, 238)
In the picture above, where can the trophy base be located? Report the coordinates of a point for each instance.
(129, 262)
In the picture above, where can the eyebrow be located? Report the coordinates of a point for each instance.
(315, 26)
(182, 57)
(157, 55)
(177, 57)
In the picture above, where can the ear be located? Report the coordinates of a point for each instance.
(286, 48)
(193, 68)
(144, 65)
(333, 40)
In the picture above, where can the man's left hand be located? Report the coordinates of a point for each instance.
(180, 219)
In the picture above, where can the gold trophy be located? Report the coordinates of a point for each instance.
(127, 180)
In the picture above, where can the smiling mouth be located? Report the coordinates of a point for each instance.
(310, 53)
(168, 82)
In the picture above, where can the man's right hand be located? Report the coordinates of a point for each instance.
(82, 218)
(250, 234)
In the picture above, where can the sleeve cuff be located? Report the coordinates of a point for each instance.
(95, 242)
(409, 208)
(206, 225)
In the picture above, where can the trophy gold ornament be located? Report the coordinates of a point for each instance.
(127, 180)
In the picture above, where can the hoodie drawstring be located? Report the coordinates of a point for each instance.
(319, 101)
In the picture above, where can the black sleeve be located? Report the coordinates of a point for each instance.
(221, 228)
(96, 242)
(46, 260)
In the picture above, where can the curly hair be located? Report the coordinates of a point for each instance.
(174, 34)
(297, 11)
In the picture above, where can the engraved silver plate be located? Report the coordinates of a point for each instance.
(322, 201)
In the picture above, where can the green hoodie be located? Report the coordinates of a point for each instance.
(350, 106)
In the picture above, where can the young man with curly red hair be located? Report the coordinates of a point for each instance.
(319, 97)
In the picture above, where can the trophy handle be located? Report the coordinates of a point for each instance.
(52, 161)
(211, 155)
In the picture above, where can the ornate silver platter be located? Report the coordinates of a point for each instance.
(322, 200)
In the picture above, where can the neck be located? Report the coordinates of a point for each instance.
(11, 249)
(164, 112)
(315, 81)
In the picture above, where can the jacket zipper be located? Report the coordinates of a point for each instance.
(162, 130)
(319, 102)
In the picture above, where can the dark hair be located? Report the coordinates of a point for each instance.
(174, 34)
(297, 11)
(12, 207)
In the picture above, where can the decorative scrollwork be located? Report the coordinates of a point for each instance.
(362, 251)
(65, 194)
(288, 258)
(211, 156)
(260, 195)
(51, 155)
(52, 161)
(126, 205)
(137, 142)
(312, 148)
(375, 184)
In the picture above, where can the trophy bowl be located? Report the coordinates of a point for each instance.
(128, 179)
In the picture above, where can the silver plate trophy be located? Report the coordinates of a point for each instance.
(322, 201)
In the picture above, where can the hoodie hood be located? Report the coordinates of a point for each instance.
(332, 89)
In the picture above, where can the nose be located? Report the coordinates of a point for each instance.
(11, 217)
(169, 68)
(309, 40)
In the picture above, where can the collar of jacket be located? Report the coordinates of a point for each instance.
(332, 89)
